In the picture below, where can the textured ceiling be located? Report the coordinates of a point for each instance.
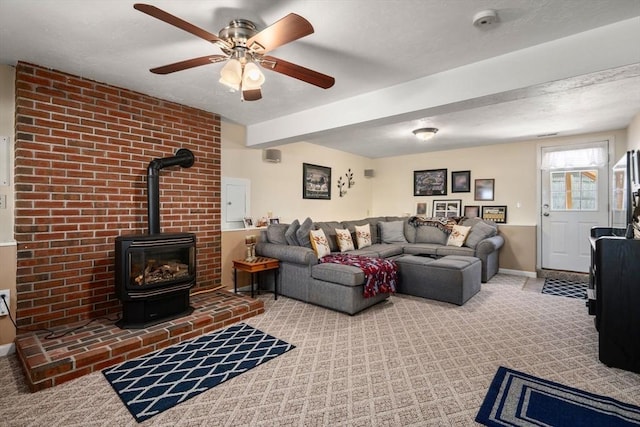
(370, 47)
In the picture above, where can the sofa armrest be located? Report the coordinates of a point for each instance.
(294, 254)
(489, 245)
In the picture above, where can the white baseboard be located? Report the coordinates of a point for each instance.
(518, 272)
(7, 349)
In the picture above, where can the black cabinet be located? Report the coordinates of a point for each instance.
(615, 297)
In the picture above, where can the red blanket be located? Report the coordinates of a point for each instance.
(381, 275)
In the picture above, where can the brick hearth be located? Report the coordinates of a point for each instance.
(100, 344)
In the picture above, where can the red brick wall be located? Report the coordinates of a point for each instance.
(82, 151)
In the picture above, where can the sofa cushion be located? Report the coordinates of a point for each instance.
(275, 233)
(454, 250)
(480, 231)
(363, 235)
(384, 250)
(422, 249)
(458, 235)
(303, 233)
(392, 232)
(343, 238)
(319, 243)
(429, 234)
(337, 273)
(290, 234)
(329, 228)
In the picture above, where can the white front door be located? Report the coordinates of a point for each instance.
(574, 199)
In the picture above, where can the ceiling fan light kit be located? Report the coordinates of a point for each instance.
(245, 48)
(425, 133)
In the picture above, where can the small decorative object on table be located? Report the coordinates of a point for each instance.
(250, 241)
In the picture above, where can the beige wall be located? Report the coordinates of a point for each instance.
(7, 243)
(513, 166)
(277, 187)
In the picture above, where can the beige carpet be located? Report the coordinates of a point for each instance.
(406, 362)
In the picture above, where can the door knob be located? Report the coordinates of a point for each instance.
(546, 214)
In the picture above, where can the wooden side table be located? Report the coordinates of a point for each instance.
(252, 267)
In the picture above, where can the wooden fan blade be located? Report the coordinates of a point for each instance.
(177, 22)
(252, 95)
(290, 28)
(297, 72)
(189, 63)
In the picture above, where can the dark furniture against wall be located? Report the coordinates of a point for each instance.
(614, 297)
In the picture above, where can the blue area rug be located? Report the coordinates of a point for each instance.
(153, 383)
(518, 399)
(565, 288)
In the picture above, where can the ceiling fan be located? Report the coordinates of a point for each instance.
(244, 47)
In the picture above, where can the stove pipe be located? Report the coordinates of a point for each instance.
(183, 158)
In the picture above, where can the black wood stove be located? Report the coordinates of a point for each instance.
(155, 271)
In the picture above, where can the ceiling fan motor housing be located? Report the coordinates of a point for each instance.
(237, 33)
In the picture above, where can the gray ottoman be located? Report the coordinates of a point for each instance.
(452, 278)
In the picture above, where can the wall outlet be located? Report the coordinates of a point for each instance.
(4, 309)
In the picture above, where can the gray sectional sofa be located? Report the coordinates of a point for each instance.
(341, 287)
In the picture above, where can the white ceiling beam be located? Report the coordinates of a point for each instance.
(596, 50)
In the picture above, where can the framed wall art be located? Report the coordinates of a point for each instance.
(461, 182)
(446, 208)
(472, 211)
(497, 214)
(421, 208)
(484, 189)
(430, 182)
(316, 182)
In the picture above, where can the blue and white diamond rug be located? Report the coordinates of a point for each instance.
(565, 288)
(154, 383)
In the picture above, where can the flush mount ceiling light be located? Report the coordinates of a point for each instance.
(425, 133)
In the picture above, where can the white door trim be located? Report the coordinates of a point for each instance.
(610, 139)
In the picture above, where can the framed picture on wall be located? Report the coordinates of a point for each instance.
(484, 189)
(316, 182)
(461, 182)
(472, 211)
(497, 214)
(430, 182)
(421, 209)
(446, 208)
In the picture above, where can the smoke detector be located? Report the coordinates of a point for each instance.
(485, 18)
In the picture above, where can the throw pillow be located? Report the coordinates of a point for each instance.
(275, 233)
(480, 231)
(303, 233)
(290, 234)
(458, 235)
(392, 232)
(319, 243)
(363, 236)
(343, 237)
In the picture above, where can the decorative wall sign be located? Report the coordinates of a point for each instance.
(446, 208)
(484, 189)
(430, 182)
(497, 214)
(316, 182)
(461, 182)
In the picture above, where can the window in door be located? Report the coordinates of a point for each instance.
(575, 190)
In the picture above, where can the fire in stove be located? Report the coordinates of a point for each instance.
(155, 273)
